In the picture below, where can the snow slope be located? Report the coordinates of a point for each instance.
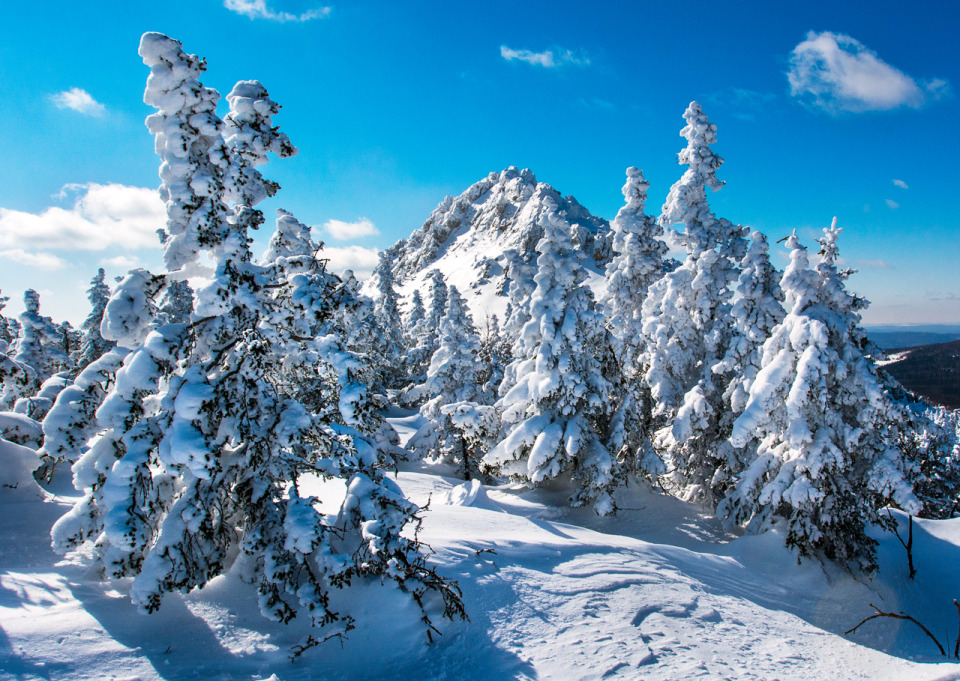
(657, 592)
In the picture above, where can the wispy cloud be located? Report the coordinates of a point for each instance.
(101, 216)
(548, 59)
(893, 205)
(44, 261)
(596, 104)
(257, 9)
(901, 184)
(942, 296)
(122, 262)
(78, 100)
(344, 231)
(878, 264)
(357, 258)
(744, 104)
(834, 72)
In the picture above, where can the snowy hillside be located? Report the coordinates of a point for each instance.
(470, 239)
(657, 592)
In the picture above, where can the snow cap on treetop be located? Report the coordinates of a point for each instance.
(700, 134)
(156, 47)
(31, 300)
(828, 243)
(635, 189)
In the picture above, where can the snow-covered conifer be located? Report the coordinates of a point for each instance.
(71, 422)
(686, 328)
(825, 430)
(386, 309)
(492, 357)
(6, 333)
(704, 460)
(40, 342)
(176, 306)
(451, 377)
(518, 284)
(205, 437)
(417, 337)
(438, 301)
(92, 344)
(188, 139)
(638, 262)
(559, 403)
(930, 440)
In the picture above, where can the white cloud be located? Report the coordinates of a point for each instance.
(892, 204)
(343, 231)
(78, 100)
(744, 104)
(101, 216)
(901, 184)
(257, 9)
(878, 264)
(122, 262)
(835, 72)
(44, 261)
(357, 258)
(548, 59)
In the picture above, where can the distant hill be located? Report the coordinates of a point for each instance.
(888, 340)
(932, 371)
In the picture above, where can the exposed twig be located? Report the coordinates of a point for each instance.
(898, 616)
(908, 545)
(956, 648)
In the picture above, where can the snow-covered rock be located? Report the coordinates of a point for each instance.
(469, 239)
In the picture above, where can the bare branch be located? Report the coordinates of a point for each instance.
(899, 616)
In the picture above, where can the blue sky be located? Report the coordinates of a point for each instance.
(847, 110)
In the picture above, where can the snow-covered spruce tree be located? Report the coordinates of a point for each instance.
(437, 308)
(40, 342)
(93, 345)
(16, 379)
(203, 444)
(176, 306)
(386, 310)
(425, 342)
(559, 405)
(825, 431)
(706, 462)
(930, 440)
(755, 313)
(686, 316)
(638, 262)
(358, 327)
(6, 334)
(492, 358)
(416, 337)
(71, 422)
(325, 306)
(518, 284)
(453, 376)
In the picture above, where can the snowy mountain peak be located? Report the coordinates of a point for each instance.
(468, 237)
(504, 210)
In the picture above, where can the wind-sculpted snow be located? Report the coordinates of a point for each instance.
(658, 592)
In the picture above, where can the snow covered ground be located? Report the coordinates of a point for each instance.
(659, 591)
